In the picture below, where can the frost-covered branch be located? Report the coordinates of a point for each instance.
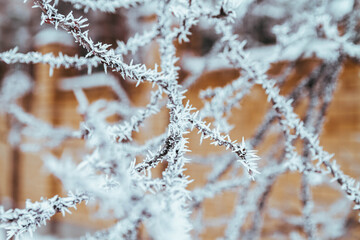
(18, 221)
(246, 156)
(145, 185)
(12, 56)
(109, 59)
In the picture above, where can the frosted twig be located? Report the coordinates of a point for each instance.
(62, 60)
(18, 221)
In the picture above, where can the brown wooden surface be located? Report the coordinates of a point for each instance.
(341, 136)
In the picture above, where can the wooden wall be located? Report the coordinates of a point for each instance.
(341, 136)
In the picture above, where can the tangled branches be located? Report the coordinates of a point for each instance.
(111, 173)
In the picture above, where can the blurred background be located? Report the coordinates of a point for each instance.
(22, 175)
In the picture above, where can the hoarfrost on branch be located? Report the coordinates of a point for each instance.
(123, 187)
